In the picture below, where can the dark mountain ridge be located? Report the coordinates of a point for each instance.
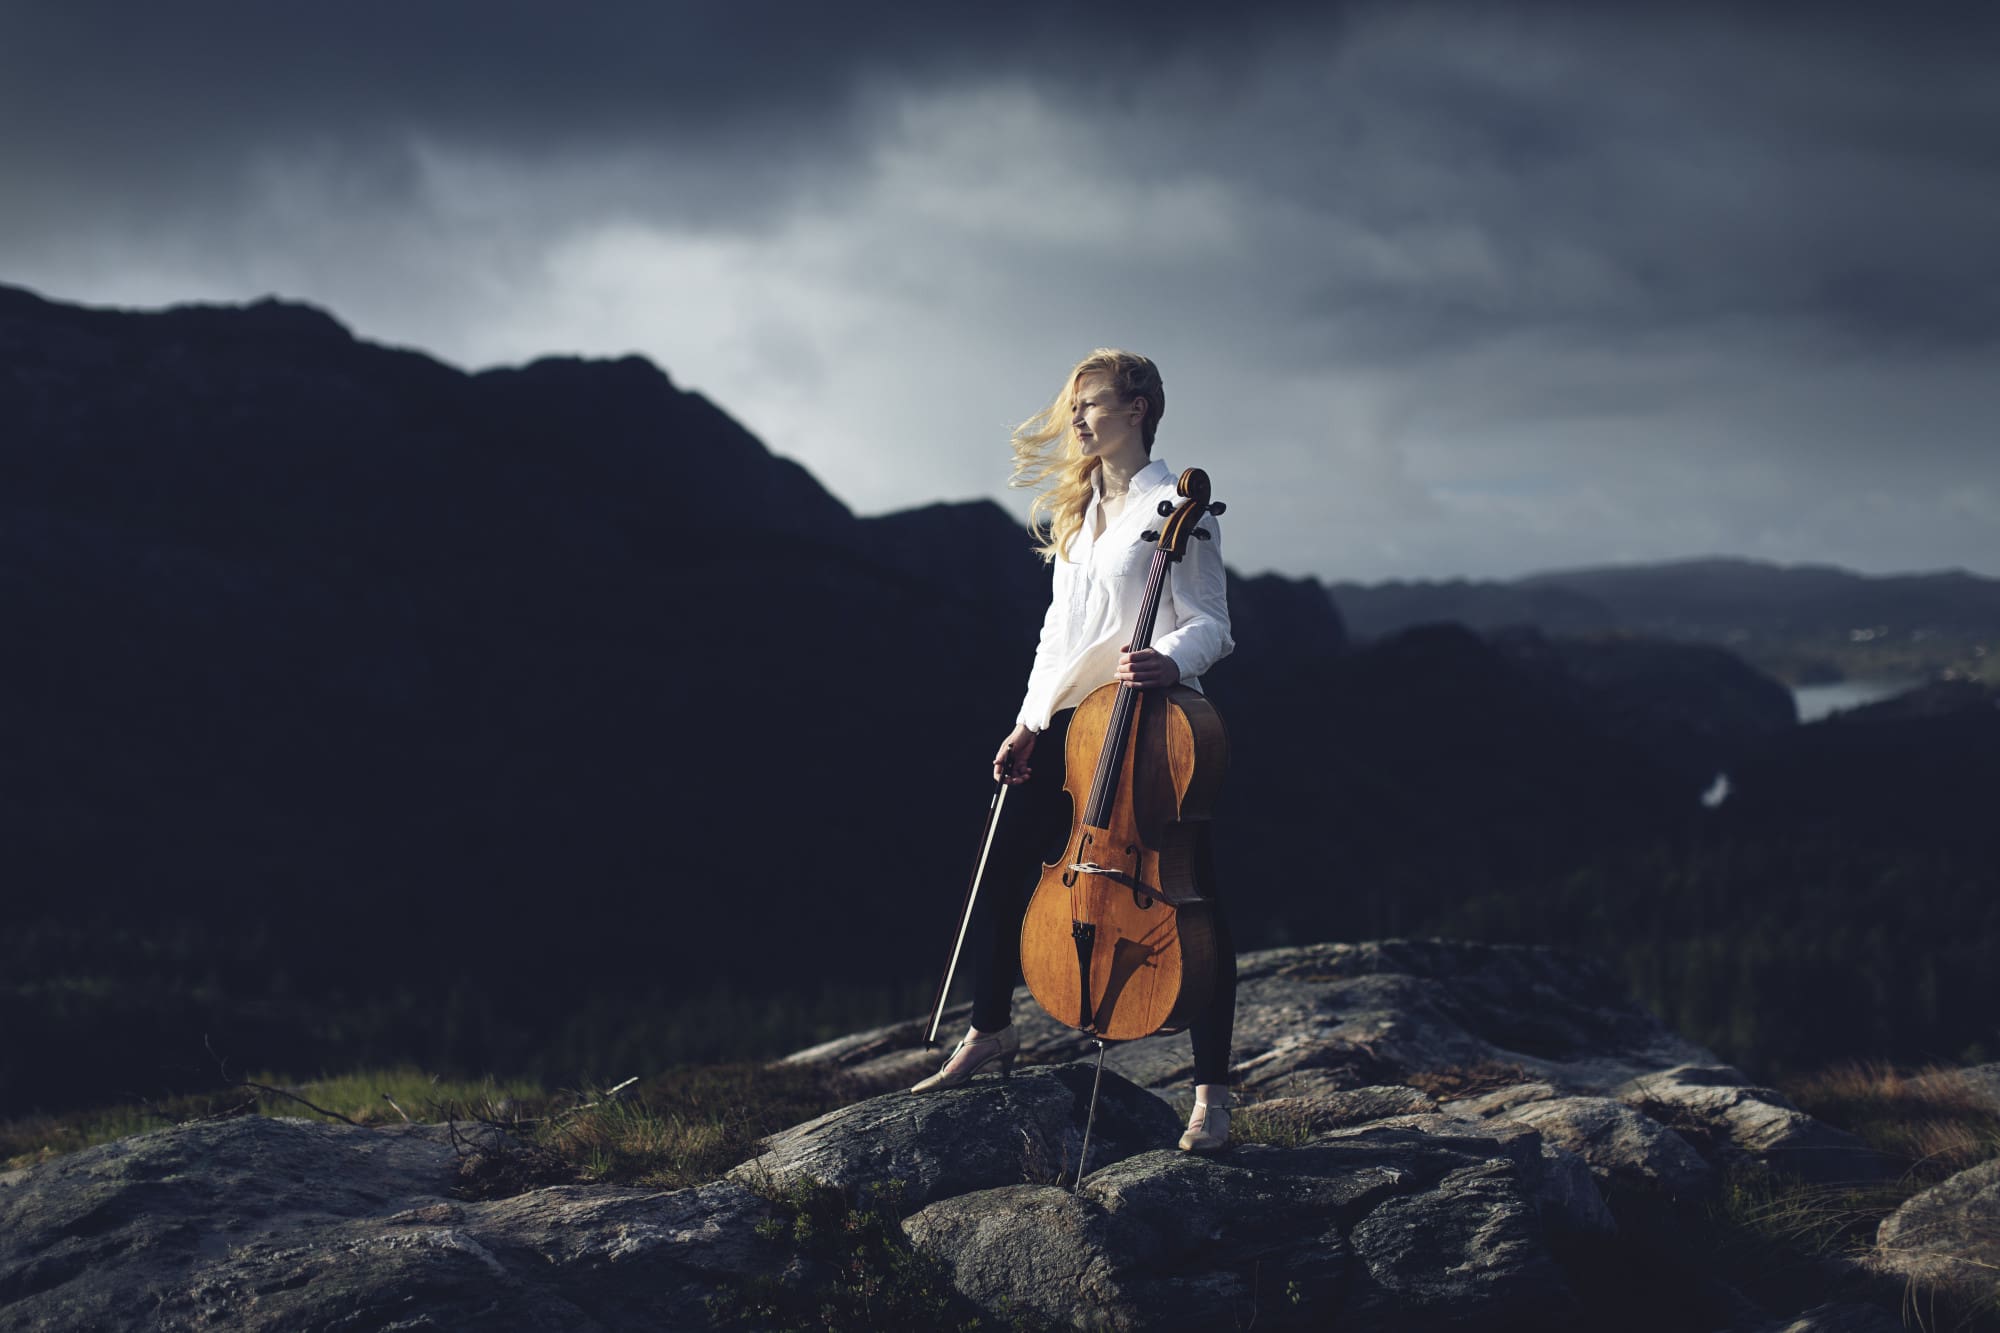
(359, 708)
(1715, 591)
(1805, 623)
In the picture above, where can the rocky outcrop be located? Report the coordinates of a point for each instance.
(1975, 1085)
(1337, 1034)
(989, 1133)
(1427, 1137)
(1379, 1230)
(1948, 1236)
(1620, 1144)
(1740, 1121)
(265, 1224)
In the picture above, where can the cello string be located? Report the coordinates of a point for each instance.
(1110, 757)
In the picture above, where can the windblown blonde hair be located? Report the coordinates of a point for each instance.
(1045, 445)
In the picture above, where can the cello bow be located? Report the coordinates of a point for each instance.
(993, 808)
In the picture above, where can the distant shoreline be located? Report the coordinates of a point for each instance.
(1818, 701)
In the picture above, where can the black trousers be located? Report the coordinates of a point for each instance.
(1034, 828)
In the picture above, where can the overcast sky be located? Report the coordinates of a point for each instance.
(1438, 289)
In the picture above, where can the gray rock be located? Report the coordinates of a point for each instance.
(264, 1224)
(1168, 1240)
(1502, 1100)
(1948, 1236)
(1972, 1087)
(1334, 1110)
(1982, 1085)
(1467, 1254)
(1620, 1144)
(1568, 1195)
(1717, 1107)
(990, 1132)
(1030, 1248)
(1560, 1182)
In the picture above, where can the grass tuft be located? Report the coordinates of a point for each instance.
(1775, 1235)
(1284, 1126)
(1932, 1119)
(680, 1128)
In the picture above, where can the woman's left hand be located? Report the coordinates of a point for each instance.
(1147, 669)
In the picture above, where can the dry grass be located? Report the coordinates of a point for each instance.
(685, 1127)
(1468, 1080)
(1932, 1119)
(368, 1098)
(1280, 1126)
(682, 1127)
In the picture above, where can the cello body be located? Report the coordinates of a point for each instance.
(1118, 940)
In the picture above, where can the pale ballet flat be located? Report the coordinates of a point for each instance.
(973, 1054)
(1208, 1127)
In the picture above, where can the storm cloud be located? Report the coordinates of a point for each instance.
(1438, 289)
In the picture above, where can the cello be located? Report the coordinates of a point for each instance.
(1119, 940)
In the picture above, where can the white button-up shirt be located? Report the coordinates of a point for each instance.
(1098, 589)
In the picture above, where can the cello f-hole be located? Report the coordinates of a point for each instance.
(1082, 846)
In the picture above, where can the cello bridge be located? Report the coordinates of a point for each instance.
(1120, 877)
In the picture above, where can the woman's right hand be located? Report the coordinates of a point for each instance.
(1020, 743)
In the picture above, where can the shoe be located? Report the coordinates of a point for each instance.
(1208, 1127)
(973, 1053)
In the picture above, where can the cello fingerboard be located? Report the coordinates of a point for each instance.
(1111, 755)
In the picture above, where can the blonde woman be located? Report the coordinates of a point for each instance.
(1091, 451)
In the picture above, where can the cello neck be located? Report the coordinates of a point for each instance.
(1111, 754)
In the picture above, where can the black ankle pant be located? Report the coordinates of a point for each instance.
(1034, 828)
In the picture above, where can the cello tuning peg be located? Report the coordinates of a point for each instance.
(1203, 533)
(1166, 507)
(1217, 508)
(1149, 536)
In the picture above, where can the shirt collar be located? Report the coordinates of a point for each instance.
(1146, 478)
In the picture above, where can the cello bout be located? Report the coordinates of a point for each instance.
(1140, 883)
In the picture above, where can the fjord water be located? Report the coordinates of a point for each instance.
(1818, 701)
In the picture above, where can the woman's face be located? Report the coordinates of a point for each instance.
(1106, 425)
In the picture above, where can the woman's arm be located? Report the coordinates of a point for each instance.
(1034, 711)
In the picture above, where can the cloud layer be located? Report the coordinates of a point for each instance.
(1437, 289)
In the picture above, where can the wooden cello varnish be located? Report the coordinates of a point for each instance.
(1119, 940)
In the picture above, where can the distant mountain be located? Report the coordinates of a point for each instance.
(1803, 622)
(1706, 598)
(1372, 610)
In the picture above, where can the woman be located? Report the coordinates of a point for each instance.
(1096, 441)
